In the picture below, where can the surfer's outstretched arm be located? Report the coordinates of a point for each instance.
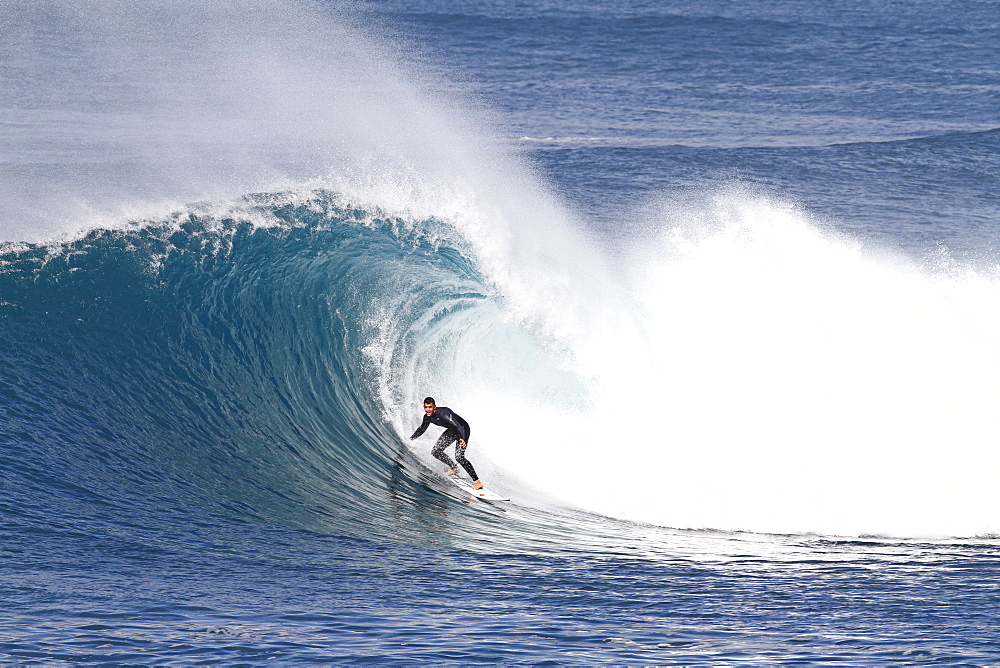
(422, 428)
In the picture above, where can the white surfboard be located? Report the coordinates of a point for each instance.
(484, 493)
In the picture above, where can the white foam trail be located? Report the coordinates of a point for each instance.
(776, 377)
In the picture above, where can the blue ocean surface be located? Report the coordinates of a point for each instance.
(716, 285)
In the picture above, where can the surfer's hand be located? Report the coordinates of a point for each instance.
(462, 442)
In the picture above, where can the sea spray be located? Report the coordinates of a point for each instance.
(117, 110)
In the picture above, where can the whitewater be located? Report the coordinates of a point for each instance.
(736, 369)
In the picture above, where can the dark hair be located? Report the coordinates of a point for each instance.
(429, 400)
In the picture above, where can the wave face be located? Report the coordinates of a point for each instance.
(215, 362)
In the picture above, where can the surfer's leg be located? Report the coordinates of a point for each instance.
(466, 464)
(447, 438)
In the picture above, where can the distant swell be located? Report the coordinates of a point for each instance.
(958, 136)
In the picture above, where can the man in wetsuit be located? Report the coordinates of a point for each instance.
(455, 429)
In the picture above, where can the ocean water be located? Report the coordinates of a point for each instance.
(716, 284)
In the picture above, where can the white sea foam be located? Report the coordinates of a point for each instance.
(768, 375)
(745, 369)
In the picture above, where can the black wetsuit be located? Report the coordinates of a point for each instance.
(454, 428)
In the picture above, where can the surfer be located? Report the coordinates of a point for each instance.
(455, 429)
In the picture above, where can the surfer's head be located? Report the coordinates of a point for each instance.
(429, 405)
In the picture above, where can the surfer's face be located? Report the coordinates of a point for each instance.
(429, 409)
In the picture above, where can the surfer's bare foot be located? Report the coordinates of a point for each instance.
(451, 472)
(477, 485)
